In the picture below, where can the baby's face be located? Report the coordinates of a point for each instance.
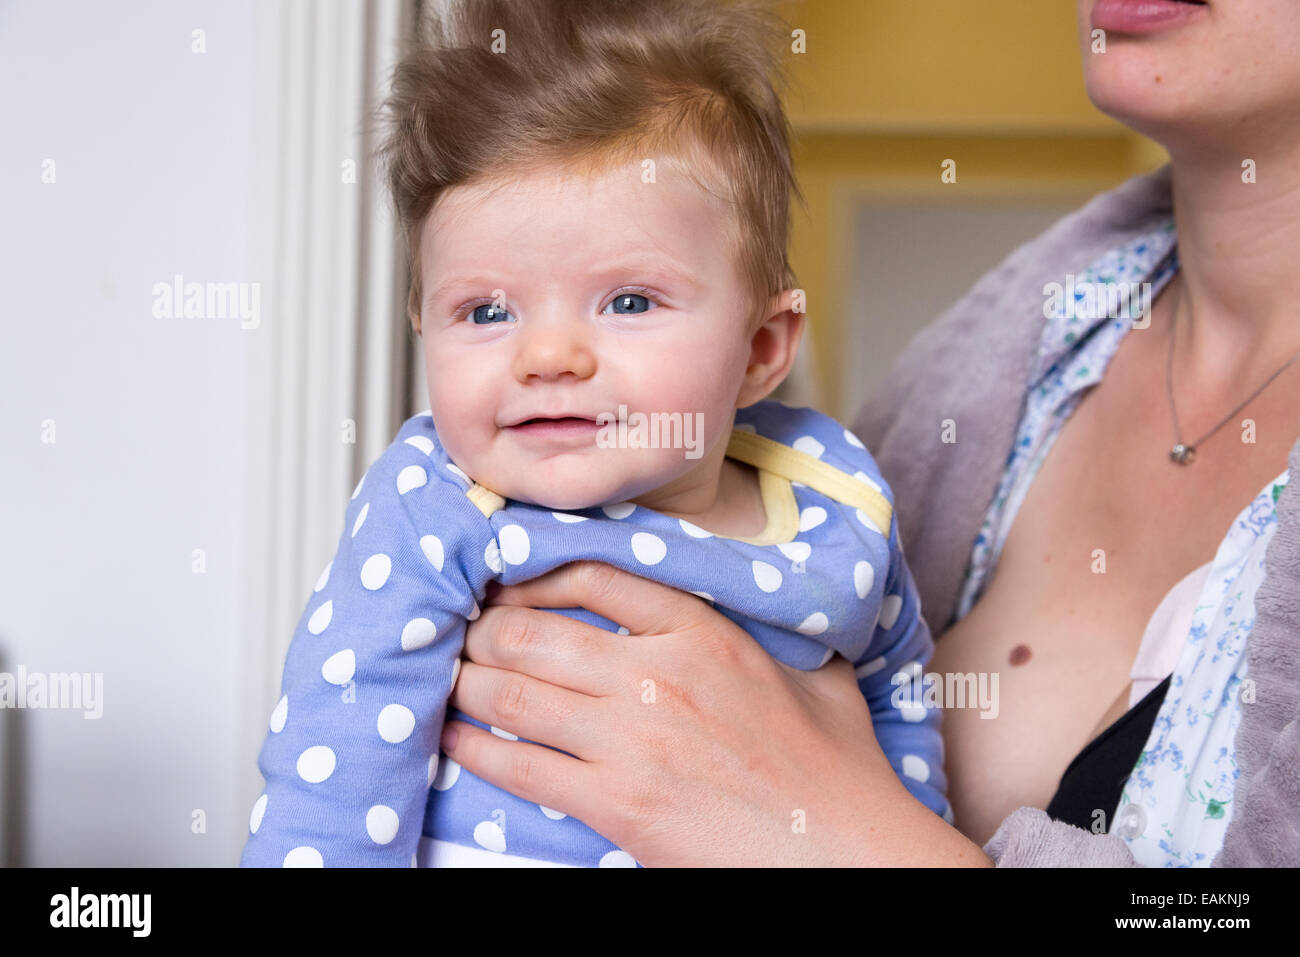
(608, 292)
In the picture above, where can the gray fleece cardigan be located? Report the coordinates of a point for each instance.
(972, 365)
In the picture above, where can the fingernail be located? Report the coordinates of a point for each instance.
(449, 738)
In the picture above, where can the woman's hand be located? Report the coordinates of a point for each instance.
(690, 744)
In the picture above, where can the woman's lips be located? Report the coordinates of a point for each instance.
(1144, 16)
(570, 430)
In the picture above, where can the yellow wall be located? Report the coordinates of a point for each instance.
(889, 89)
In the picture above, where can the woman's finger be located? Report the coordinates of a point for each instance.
(527, 707)
(529, 771)
(547, 645)
(642, 606)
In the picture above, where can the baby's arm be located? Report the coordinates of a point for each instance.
(908, 730)
(353, 741)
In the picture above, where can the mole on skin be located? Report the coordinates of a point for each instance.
(1020, 654)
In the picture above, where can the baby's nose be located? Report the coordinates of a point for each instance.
(550, 350)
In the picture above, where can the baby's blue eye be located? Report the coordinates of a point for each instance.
(488, 314)
(628, 303)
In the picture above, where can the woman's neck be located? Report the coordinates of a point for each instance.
(1239, 252)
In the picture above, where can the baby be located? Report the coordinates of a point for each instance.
(596, 203)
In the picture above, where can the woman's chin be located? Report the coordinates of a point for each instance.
(1160, 109)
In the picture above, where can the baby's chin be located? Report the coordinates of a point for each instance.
(563, 496)
(570, 489)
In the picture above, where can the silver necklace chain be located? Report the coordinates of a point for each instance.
(1184, 453)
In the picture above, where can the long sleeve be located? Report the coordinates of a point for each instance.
(890, 676)
(352, 744)
(1027, 837)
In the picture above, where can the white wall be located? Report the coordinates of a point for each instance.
(155, 167)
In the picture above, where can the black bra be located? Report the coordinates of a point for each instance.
(1095, 778)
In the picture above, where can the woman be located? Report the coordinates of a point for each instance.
(1080, 578)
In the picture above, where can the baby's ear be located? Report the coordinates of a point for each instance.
(773, 347)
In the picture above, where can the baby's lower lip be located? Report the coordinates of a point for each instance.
(571, 429)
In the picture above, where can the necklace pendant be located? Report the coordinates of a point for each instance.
(1183, 454)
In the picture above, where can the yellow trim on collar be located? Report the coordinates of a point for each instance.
(486, 500)
(768, 455)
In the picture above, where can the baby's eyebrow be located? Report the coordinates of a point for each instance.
(664, 272)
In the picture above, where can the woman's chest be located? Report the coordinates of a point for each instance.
(1106, 528)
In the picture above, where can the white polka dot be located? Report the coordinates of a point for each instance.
(396, 722)
(418, 633)
(304, 857)
(618, 859)
(864, 576)
(448, 772)
(809, 446)
(868, 480)
(455, 672)
(339, 667)
(381, 824)
(868, 668)
(433, 769)
(324, 577)
(411, 477)
(619, 509)
(703, 594)
(421, 442)
(492, 555)
(514, 544)
(830, 653)
(865, 519)
(911, 711)
(746, 427)
(889, 609)
(474, 612)
(357, 491)
(487, 834)
(811, 517)
(320, 618)
(796, 551)
(622, 630)
(375, 572)
(431, 545)
(569, 519)
(503, 733)
(693, 530)
(456, 471)
(853, 440)
(316, 764)
(814, 624)
(553, 815)
(361, 518)
(915, 767)
(259, 811)
(280, 714)
(648, 549)
(766, 576)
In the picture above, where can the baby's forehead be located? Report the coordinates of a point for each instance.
(618, 217)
